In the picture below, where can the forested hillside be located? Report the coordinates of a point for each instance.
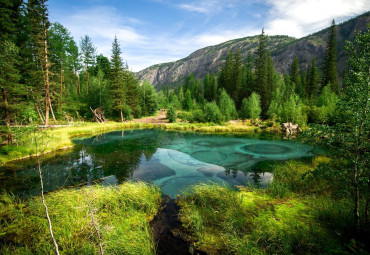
(283, 49)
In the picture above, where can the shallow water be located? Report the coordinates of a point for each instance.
(172, 160)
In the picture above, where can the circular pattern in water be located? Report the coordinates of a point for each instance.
(267, 149)
(209, 156)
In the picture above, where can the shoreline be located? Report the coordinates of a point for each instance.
(61, 137)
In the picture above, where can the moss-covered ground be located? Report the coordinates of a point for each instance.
(122, 215)
(295, 215)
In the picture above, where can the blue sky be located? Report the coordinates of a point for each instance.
(157, 31)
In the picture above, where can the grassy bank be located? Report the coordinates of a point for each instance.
(294, 215)
(122, 214)
(61, 138)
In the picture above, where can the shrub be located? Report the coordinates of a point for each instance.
(212, 113)
(171, 114)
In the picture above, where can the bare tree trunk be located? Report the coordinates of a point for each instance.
(121, 115)
(40, 116)
(95, 225)
(43, 198)
(78, 85)
(7, 114)
(47, 85)
(52, 112)
(87, 80)
(61, 85)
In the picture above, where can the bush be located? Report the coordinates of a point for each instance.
(171, 114)
(212, 113)
(126, 112)
(198, 115)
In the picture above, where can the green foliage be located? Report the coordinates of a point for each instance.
(254, 106)
(171, 114)
(188, 102)
(226, 106)
(243, 222)
(293, 111)
(212, 113)
(348, 137)
(330, 73)
(122, 215)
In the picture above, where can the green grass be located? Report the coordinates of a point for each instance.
(225, 221)
(122, 213)
(298, 213)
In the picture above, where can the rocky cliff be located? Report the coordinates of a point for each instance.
(283, 50)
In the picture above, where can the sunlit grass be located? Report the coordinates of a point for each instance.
(225, 221)
(122, 214)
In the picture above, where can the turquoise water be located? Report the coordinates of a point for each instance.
(171, 160)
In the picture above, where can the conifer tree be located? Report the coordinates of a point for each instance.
(88, 56)
(261, 71)
(116, 78)
(313, 80)
(237, 79)
(330, 73)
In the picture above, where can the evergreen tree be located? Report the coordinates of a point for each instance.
(88, 56)
(237, 79)
(116, 79)
(261, 64)
(330, 73)
(60, 43)
(270, 80)
(313, 80)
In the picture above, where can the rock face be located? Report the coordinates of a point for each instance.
(283, 50)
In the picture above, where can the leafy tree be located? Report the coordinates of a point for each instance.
(349, 137)
(330, 73)
(149, 101)
(226, 106)
(212, 113)
(293, 110)
(171, 114)
(254, 106)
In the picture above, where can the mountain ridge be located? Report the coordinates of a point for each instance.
(283, 50)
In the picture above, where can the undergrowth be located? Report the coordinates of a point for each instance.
(122, 214)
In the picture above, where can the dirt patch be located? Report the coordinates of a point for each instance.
(168, 232)
(160, 118)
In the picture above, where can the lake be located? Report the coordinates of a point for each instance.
(172, 160)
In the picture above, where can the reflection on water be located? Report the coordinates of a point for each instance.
(171, 160)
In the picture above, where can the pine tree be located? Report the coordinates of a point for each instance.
(313, 81)
(116, 79)
(330, 73)
(261, 64)
(88, 56)
(237, 79)
(38, 71)
(270, 81)
(9, 73)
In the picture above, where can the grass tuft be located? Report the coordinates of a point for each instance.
(122, 212)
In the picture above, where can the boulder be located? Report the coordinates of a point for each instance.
(290, 128)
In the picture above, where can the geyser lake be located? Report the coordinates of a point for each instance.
(172, 160)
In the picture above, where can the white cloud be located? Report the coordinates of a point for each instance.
(299, 18)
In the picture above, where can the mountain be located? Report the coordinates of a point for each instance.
(283, 50)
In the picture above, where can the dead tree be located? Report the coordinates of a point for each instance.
(98, 115)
